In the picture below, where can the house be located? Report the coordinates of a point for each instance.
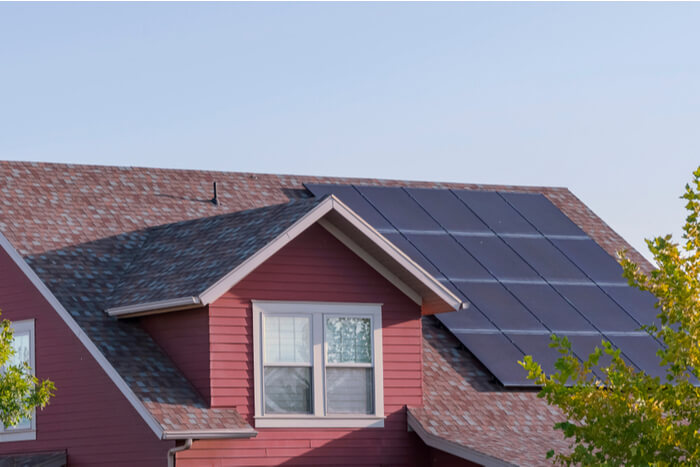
(289, 320)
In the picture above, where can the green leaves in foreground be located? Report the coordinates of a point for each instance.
(20, 391)
(615, 415)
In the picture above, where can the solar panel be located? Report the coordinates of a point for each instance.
(495, 212)
(549, 307)
(399, 208)
(641, 350)
(599, 308)
(448, 256)
(546, 259)
(498, 258)
(537, 345)
(541, 213)
(498, 354)
(407, 247)
(584, 345)
(592, 259)
(448, 210)
(500, 306)
(470, 318)
(350, 196)
(638, 303)
(524, 266)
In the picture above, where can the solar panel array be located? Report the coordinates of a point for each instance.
(525, 268)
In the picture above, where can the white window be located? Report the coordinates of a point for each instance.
(23, 344)
(318, 364)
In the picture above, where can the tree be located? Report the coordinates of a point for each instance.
(626, 416)
(20, 391)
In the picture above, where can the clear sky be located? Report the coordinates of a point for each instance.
(602, 98)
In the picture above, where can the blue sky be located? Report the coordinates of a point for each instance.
(602, 98)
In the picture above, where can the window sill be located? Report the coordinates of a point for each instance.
(9, 436)
(307, 421)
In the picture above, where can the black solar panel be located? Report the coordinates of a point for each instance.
(448, 210)
(399, 208)
(495, 212)
(466, 319)
(537, 345)
(524, 266)
(546, 259)
(541, 213)
(355, 201)
(448, 256)
(641, 350)
(551, 309)
(592, 259)
(498, 258)
(639, 304)
(500, 306)
(598, 307)
(498, 354)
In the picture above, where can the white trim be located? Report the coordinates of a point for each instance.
(211, 434)
(25, 326)
(455, 449)
(369, 259)
(319, 418)
(82, 337)
(151, 306)
(319, 422)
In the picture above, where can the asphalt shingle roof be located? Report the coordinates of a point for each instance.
(81, 228)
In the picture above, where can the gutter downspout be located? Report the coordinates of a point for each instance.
(176, 449)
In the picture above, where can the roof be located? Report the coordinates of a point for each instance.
(80, 227)
(475, 417)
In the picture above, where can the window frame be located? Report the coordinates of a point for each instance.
(318, 312)
(23, 434)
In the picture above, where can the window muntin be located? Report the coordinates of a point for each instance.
(338, 383)
(23, 344)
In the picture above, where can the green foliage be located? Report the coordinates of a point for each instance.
(627, 417)
(20, 391)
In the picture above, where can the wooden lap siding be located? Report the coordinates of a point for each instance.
(184, 335)
(89, 417)
(313, 267)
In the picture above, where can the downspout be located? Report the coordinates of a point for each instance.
(176, 449)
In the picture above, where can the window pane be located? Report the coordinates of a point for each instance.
(287, 339)
(287, 390)
(20, 344)
(350, 390)
(349, 340)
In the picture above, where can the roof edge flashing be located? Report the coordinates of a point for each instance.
(232, 433)
(450, 447)
(160, 306)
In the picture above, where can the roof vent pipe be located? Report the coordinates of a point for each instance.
(215, 199)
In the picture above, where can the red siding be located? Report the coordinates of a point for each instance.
(314, 267)
(184, 335)
(89, 417)
(439, 458)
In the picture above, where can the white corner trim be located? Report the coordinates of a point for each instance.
(82, 337)
(211, 434)
(455, 449)
(141, 308)
(399, 256)
(369, 259)
(224, 284)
